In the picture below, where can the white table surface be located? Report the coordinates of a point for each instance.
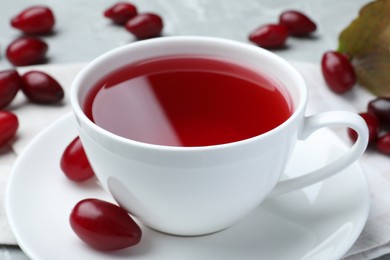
(82, 33)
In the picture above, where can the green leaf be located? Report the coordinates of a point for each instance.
(370, 31)
(367, 41)
(373, 72)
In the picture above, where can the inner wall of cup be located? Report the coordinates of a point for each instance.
(251, 56)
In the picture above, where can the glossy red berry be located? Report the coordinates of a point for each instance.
(104, 225)
(381, 108)
(39, 87)
(26, 51)
(373, 128)
(269, 36)
(338, 72)
(121, 12)
(146, 25)
(74, 162)
(34, 20)
(8, 126)
(383, 144)
(10, 83)
(297, 23)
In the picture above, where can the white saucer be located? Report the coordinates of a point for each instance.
(320, 222)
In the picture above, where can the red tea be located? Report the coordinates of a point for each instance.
(187, 101)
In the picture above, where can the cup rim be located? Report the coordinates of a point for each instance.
(89, 68)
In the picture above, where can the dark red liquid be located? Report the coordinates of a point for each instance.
(187, 101)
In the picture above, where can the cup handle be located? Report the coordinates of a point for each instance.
(310, 125)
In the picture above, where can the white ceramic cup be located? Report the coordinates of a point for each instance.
(200, 190)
